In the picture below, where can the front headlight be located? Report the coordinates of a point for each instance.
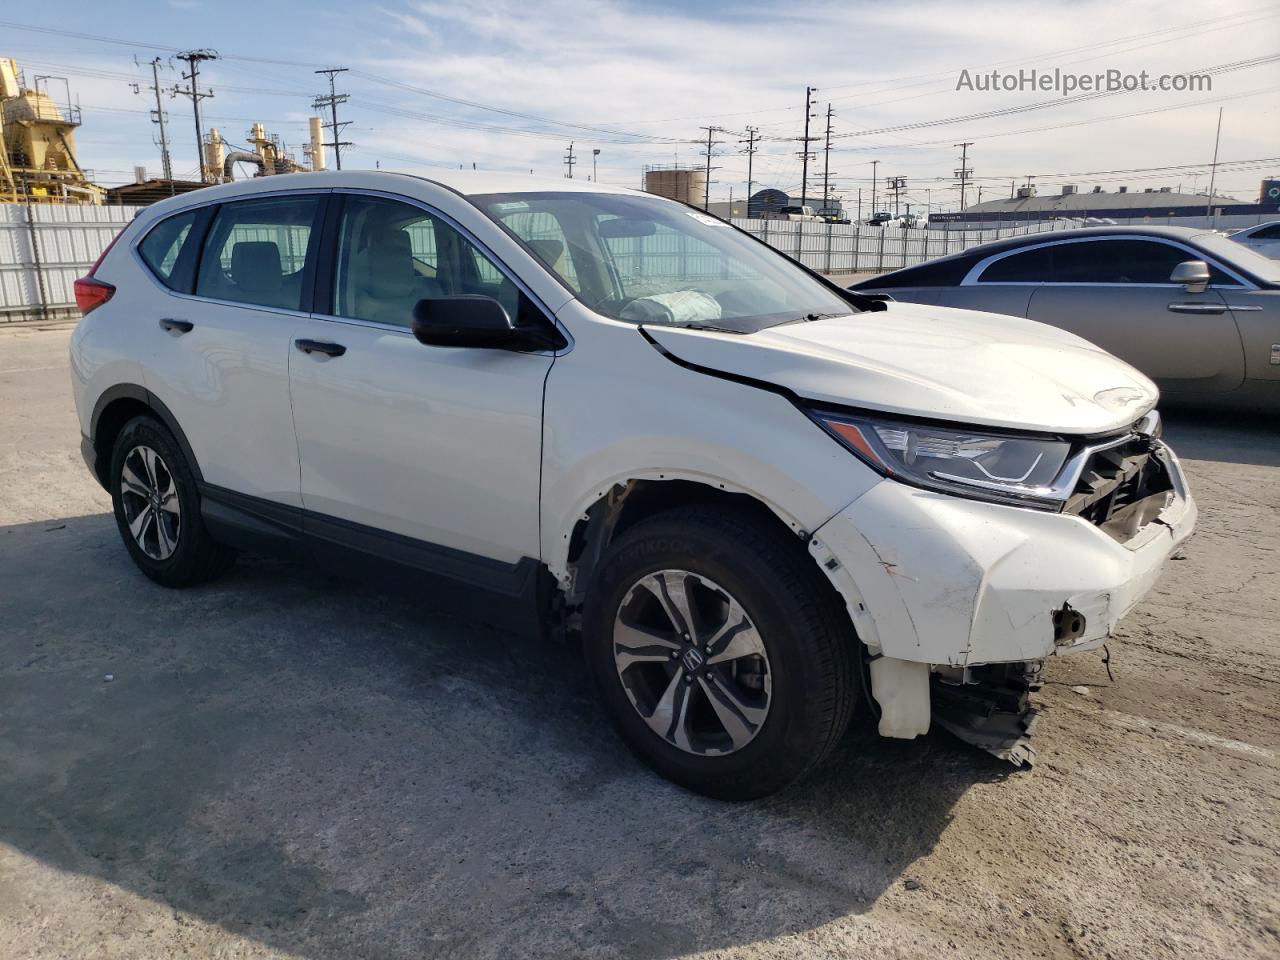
(971, 463)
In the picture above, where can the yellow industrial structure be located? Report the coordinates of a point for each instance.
(37, 145)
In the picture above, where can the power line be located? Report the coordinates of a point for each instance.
(331, 101)
(569, 160)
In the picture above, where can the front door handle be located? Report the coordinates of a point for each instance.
(320, 346)
(1197, 308)
(176, 327)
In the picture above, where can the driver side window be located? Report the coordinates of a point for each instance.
(391, 254)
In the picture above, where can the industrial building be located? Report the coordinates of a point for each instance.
(37, 144)
(1151, 204)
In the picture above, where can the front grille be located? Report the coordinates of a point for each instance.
(1122, 488)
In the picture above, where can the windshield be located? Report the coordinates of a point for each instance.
(648, 260)
(1235, 253)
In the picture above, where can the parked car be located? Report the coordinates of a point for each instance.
(1191, 309)
(878, 219)
(798, 213)
(759, 500)
(1265, 238)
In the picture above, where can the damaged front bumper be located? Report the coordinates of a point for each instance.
(942, 581)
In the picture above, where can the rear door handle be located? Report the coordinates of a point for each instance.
(1197, 308)
(176, 327)
(320, 346)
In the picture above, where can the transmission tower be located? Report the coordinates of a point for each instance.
(193, 59)
(331, 101)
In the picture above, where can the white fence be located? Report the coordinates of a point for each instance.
(44, 248)
(854, 248)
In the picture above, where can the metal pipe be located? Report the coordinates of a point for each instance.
(240, 156)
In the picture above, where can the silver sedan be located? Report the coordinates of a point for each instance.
(1196, 312)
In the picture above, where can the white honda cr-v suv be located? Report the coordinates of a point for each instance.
(759, 499)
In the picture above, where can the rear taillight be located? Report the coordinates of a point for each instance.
(92, 293)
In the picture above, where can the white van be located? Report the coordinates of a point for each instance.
(759, 500)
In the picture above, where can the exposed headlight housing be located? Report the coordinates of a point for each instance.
(1000, 467)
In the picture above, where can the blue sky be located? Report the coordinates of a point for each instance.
(638, 80)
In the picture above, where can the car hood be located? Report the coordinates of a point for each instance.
(936, 362)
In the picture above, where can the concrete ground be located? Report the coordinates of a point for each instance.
(283, 765)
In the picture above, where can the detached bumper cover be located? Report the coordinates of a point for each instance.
(947, 580)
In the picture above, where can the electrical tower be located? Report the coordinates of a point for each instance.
(331, 101)
(753, 137)
(826, 164)
(965, 173)
(569, 160)
(194, 58)
(805, 155)
(708, 154)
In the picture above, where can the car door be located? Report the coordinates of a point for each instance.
(219, 355)
(1115, 292)
(404, 445)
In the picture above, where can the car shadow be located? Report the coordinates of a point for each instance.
(1247, 437)
(332, 770)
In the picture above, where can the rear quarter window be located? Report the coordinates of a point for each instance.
(161, 247)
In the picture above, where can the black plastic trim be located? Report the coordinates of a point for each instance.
(513, 595)
(132, 391)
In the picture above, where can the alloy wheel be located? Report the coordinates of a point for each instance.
(150, 500)
(692, 662)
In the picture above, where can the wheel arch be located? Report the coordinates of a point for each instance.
(608, 512)
(116, 407)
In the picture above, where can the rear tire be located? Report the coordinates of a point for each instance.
(157, 508)
(772, 684)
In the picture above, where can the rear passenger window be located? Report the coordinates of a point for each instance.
(160, 247)
(1034, 266)
(256, 252)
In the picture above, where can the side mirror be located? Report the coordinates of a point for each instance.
(1192, 274)
(464, 321)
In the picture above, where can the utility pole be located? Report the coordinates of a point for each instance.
(331, 101)
(595, 177)
(1213, 168)
(753, 137)
(964, 173)
(569, 160)
(874, 164)
(194, 58)
(706, 187)
(897, 185)
(859, 205)
(157, 116)
(805, 155)
(826, 164)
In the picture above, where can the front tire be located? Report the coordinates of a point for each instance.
(724, 659)
(157, 508)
